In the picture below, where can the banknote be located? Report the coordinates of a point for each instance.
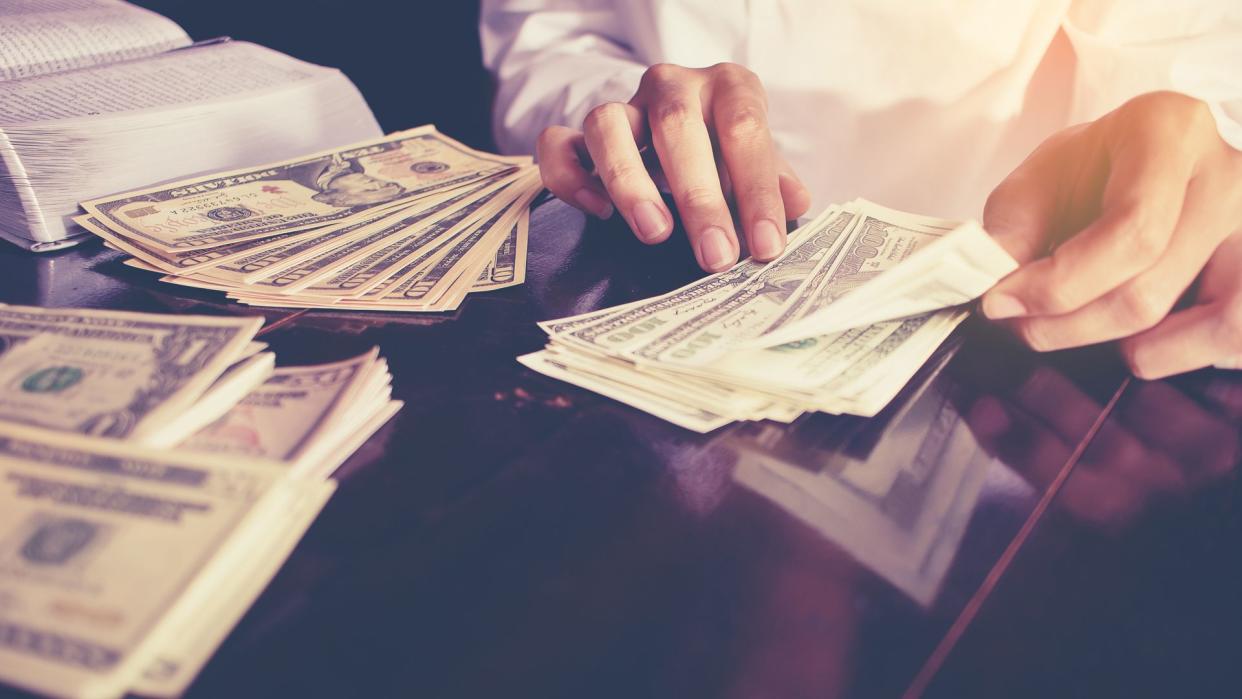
(242, 377)
(299, 410)
(392, 235)
(155, 470)
(282, 197)
(902, 279)
(944, 270)
(413, 222)
(81, 522)
(676, 412)
(747, 310)
(201, 628)
(508, 264)
(439, 277)
(873, 246)
(187, 262)
(111, 373)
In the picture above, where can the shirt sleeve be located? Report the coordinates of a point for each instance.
(553, 60)
(1128, 47)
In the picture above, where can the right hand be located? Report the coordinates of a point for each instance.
(681, 113)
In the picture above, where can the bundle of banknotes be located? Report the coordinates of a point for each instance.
(410, 222)
(155, 472)
(859, 300)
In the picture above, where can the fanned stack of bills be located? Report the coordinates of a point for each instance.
(124, 565)
(410, 222)
(859, 300)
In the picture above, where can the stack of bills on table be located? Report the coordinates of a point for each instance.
(163, 380)
(860, 298)
(410, 222)
(308, 417)
(121, 566)
(155, 472)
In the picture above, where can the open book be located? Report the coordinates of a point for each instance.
(100, 96)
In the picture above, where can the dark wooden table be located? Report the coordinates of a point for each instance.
(510, 535)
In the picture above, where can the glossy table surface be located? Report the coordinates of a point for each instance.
(1013, 525)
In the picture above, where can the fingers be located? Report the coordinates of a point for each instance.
(1140, 206)
(611, 131)
(794, 195)
(681, 139)
(564, 174)
(1201, 335)
(1187, 340)
(1139, 303)
(739, 118)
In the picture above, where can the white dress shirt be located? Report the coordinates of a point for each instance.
(923, 105)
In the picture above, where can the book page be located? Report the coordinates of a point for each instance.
(48, 36)
(195, 75)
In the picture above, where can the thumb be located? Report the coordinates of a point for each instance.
(1020, 213)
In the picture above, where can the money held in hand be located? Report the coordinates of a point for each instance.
(155, 472)
(839, 323)
(414, 222)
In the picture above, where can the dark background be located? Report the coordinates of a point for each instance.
(415, 62)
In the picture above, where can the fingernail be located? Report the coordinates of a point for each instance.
(997, 306)
(650, 221)
(715, 252)
(594, 203)
(766, 241)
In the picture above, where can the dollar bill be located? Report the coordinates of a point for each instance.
(902, 278)
(747, 310)
(418, 229)
(300, 414)
(508, 265)
(201, 628)
(111, 373)
(283, 197)
(101, 540)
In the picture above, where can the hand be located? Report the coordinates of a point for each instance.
(1133, 207)
(681, 113)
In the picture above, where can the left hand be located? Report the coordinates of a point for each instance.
(1133, 207)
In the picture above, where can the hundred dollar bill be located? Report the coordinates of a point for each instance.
(807, 366)
(953, 268)
(677, 413)
(100, 541)
(111, 373)
(689, 349)
(746, 311)
(293, 195)
(612, 330)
